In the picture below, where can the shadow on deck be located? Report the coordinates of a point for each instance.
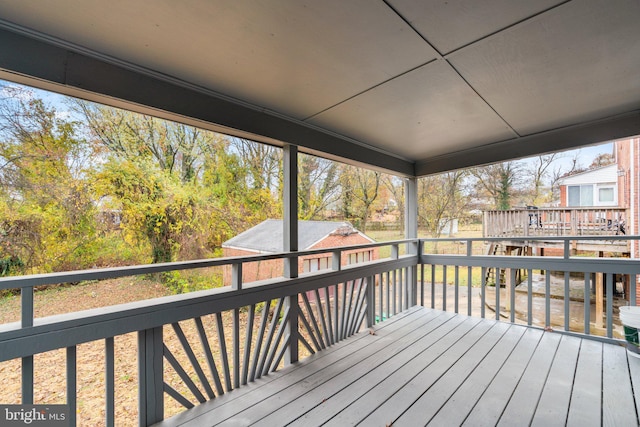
(431, 367)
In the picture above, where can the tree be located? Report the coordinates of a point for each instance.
(176, 148)
(395, 186)
(48, 216)
(602, 159)
(263, 162)
(234, 204)
(359, 191)
(317, 186)
(152, 202)
(538, 170)
(499, 182)
(440, 197)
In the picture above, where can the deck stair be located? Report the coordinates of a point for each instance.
(503, 250)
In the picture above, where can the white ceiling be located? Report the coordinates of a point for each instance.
(420, 80)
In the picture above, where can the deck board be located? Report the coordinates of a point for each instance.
(347, 393)
(586, 402)
(427, 367)
(313, 402)
(436, 396)
(304, 395)
(494, 399)
(460, 404)
(616, 386)
(553, 406)
(393, 408)
(523, 402)
(364, 404)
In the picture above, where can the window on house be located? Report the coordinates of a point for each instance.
(315, 264)
(353, 258)
(580, 195)
(583, 195)
(605, 195)
(357, 257)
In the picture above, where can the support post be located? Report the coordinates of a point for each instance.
(508, 287)
(290, 244)
(150, 377)
(411, 232)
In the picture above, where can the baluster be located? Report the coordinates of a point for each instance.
(331, 336)
(236, 347)
(359, 309)
(498, 284)
(455, 292)
(587, 303)
(512, 294)
(381, 296)
(469, 289)
(72, 384)
(223, 351)
(444, 288)
(567, 302)
(370, 296)
(209, 355)
(422, 285)
(270, 334)
(26, 302)
(529, 296)
(150, 377)
(609, 287)
(483, 285)
(547, 299)
(247, 343)
(433, 285)
(109, 381)
(388, 294)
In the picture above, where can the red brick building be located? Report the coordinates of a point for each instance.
(267, 237)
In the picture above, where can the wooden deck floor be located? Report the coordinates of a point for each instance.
(430, 367)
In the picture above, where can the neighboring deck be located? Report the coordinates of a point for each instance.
(431, 367)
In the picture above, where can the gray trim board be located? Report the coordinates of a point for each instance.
(566, 138)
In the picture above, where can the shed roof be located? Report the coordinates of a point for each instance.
(268, 235)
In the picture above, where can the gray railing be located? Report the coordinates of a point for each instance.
(197, 346)
(575, 291)
(194, 347)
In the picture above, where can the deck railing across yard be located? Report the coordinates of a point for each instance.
(576, 221)
(197, 346)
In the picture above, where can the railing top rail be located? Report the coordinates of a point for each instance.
(533, 238)
(553, 263)
(576, 208)
(31, 280)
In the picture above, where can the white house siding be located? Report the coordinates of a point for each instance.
(608, 174)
